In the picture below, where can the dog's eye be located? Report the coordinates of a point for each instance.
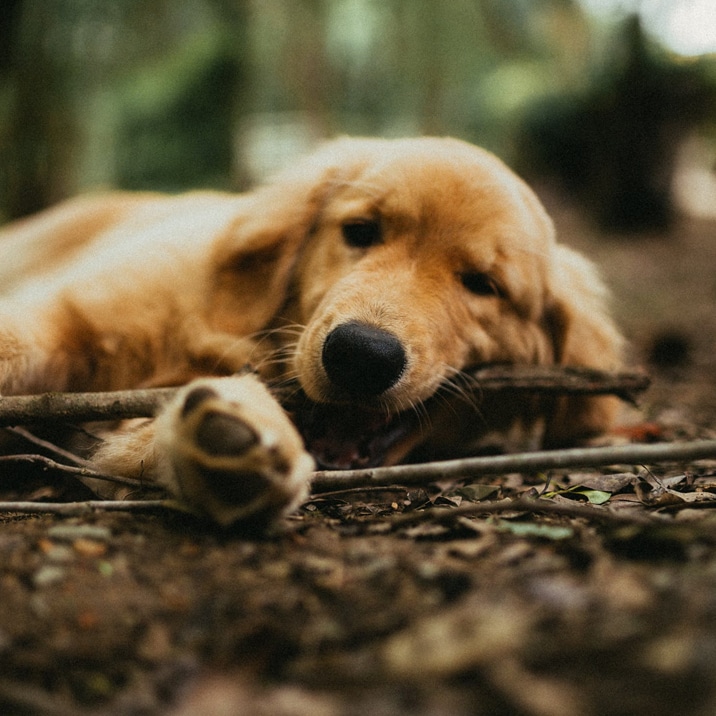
(362, 233)
(480, 284)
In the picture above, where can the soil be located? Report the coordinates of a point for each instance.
(349, 611)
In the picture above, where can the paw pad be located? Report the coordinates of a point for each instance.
(232, 452)
(221, 434)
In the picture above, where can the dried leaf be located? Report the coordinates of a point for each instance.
(595, 497)
(604, 483)
(693, 496)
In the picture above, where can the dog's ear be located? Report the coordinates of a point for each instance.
(583, 334)
(253, 261)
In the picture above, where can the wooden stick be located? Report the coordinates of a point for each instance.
(75, 471)
(565, 380)
(85, 407)
(77, 509)
(82, 407)
(429, 472)
(53, 449)
(592, 513)
(474, 467)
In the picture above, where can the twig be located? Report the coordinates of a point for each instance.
(75, 471)
(75, 509)
(50, 447)
(82, 407)
(421, 474)
(85, 407)
(525, 504)
(572, 380)
(590, 513)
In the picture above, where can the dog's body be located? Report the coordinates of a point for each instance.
(371, 274)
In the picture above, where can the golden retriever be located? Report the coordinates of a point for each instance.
(370, 275)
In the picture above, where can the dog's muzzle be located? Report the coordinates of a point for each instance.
(352, 429)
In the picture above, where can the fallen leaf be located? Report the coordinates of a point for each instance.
(596, 497)
(606, 483)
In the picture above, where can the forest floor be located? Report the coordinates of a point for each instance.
(350, 611)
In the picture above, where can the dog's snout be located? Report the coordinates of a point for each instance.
(363, 360)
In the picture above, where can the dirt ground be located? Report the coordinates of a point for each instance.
(351, 612)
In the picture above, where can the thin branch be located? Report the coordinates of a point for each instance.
(565, 380)
(421, 474)
(77, 509)
(82, 407)
(79, 471)
(592, 513)
(50, 447)
(115, 405)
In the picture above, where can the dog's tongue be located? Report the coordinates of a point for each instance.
(349, 437)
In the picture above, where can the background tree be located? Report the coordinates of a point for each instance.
(172, 95)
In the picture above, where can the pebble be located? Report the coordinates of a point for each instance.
(156, 644)
(89, 547)
(59, 554)
(71, 533)
(49, 574)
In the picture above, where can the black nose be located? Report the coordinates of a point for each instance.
(363, 360)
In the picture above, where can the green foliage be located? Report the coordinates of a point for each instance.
(158, 94)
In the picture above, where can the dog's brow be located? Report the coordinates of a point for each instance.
(517, 248)
(371, 190)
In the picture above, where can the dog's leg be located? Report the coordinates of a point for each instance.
(24, 356)
(223, 447)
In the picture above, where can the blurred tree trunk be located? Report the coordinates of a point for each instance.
(41, 138)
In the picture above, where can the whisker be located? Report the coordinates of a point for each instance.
(259, 355)
(418, 408)
(422, 414)
(292, 329)
(286, 388)
(460, 385)
(285, 378)
(463, 388)
(279, 356)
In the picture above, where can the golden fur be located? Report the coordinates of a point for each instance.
(434, 243)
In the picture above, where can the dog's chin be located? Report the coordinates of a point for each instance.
(344, 437)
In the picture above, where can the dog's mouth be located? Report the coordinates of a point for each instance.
(342, 437)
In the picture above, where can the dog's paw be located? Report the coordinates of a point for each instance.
(227, 450)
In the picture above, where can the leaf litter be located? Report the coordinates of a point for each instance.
(574, 592)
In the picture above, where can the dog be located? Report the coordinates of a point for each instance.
(362, 281)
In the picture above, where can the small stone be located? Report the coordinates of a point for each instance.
(156, 644)
(60, 554)
(88, 619)
(57, 553)
(70, 533)
(49, 574)
(89, 547)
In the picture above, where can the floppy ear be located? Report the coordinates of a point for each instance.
(253, 261)
(583, 334)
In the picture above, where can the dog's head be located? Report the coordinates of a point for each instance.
(404, 262)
